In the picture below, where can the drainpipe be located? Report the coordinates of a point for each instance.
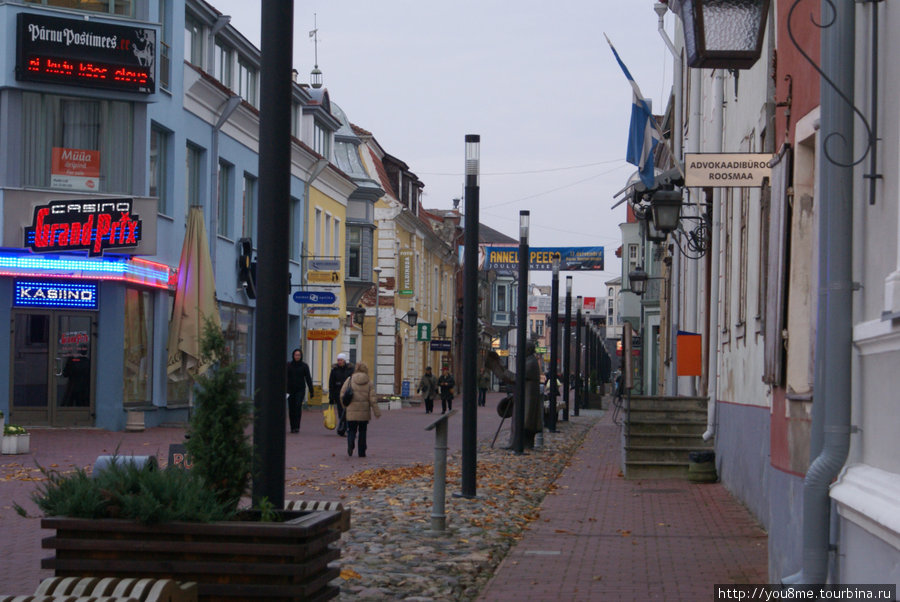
(675, 271)
(713, 365)
(230, 105)
(692, 315)
(833, 329)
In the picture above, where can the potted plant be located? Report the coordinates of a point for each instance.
(131, 521)
(16, 440)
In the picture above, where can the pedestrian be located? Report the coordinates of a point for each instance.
(428, 388)
(359, 409)
(340, 372)
(298, 379)
(445, 388)
(484, 383)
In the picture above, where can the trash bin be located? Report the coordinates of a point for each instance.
(702, 467)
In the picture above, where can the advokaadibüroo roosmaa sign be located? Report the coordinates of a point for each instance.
(731, 170)
(85, 53)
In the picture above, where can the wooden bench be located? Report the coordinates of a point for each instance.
(308, 505)
(108, 589)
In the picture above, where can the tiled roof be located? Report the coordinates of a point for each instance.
(382, 175)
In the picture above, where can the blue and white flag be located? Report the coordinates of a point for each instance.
(643, 136)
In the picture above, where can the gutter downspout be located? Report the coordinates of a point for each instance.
(675, 278)
(834, 331)
(231, 104)
(692, 315)
(713, 359)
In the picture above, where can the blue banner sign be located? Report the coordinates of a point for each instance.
(440, 345)
(541, 258)
(315, 297)
(53, 294)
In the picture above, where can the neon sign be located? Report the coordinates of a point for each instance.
(83, 225)
(85, 53)
(55, 295)
(118, 269)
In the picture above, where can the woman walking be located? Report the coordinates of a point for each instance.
(298, 379)
(358, 408)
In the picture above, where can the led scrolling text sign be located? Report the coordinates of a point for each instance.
(83, 225)
(85, 53)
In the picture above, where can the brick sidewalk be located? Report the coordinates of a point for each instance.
(600, 537)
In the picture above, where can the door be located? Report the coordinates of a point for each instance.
(52, 380)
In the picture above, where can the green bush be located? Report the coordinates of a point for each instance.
(125, 490)
(219, 446)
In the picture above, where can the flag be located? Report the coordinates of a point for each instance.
(642, 135)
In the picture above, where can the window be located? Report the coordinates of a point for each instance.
(248, 230)
(138, 367)
(247, 82)
(160, 142)
(114, 7)
(226, 199)
(336, 238)
(295, 120)
(58, 122)
(193, 40)
(192, 177)
(295, 229)
(318, 241)
(164, 60)
(320, 141)
(237, 326)
(222, 67)
(539, 327)
(500, 300)
(354, 250)
(326, 248)
(743, 259)
(727, 238)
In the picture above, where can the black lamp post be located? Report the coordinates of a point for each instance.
(521, 336)
(577, 355)
(723, 34)
(271, 314)
(470, 319)
(567, 338)
(554, 343)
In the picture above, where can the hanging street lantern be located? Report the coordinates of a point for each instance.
(722, 34)
(665, 209)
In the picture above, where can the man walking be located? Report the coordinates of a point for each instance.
(445, 387)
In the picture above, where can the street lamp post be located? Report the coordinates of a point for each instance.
(377, 271)
(578, 324)
(470, 319)
(554, 343)
(272, 251)
(567, 338)
(521, 336)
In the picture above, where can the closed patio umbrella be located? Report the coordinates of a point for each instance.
(195, 300)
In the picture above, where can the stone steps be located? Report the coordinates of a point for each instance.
(661, 432)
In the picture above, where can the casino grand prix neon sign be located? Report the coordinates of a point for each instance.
(74, 225)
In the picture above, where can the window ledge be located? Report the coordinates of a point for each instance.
(870, 498)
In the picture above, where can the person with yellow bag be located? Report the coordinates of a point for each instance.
(329, 418)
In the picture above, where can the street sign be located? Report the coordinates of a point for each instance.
(316, 297)
(423, 331)
(323, 322)
(733, 170)
(321, 310)
(439, 345)
(323, 277)
(321, 335)
(324, 265)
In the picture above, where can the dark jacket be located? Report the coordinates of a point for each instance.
(445, 385)
(298, 378)
(336, 379)
(427, 386)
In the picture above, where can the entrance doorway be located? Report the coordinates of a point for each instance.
(52, 380)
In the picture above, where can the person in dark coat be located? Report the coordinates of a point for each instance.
(445, 387)
(484, 383)
(428, 388)
(360, 408)
(340, 372)
(298, 380)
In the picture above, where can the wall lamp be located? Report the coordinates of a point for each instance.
(359, 315)
(638, 279)
(411, 317)
(442, 329)
(722, 34)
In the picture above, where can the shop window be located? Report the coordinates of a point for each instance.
(101, 130)
(138, 367)
(114, 7)
(237, 325)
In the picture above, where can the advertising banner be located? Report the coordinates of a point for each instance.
(75, 169)
(406, 272)
(541, 258)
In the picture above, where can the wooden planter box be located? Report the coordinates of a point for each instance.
(228, 560)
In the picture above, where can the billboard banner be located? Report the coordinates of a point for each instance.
(541, 258)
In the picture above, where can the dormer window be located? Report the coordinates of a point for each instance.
(322, 141)
(247, 83)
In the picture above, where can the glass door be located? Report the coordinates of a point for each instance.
(52, 376)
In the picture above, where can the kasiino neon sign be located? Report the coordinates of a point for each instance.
(94, 226)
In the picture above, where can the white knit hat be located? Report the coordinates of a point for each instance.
(342, 356)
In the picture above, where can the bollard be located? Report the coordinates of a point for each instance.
(439, 426)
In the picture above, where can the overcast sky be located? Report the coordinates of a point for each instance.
(536, 80)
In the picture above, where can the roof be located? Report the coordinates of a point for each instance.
(487, 234)
(382, 175)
